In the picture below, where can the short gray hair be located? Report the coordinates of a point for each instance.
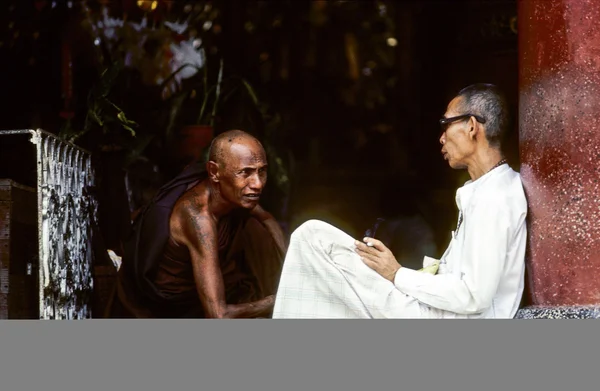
(487, 101)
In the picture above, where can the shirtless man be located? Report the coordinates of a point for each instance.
(224, 252)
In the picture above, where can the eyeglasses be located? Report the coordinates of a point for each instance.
(445, 122)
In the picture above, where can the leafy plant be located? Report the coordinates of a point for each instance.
(207, 92)
(212, 95)
(102, 112)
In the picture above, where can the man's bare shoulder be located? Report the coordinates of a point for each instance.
(195, 200)
(191, 211)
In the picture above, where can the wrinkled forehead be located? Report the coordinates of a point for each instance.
(247, 153)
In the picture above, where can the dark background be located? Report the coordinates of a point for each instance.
(355, 146)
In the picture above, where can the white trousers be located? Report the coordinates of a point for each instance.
(323, 277)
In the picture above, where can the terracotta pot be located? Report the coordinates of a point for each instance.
(192, 140)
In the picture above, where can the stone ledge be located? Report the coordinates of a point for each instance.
(559, 312)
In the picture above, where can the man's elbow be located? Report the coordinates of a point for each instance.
(472, 304)
(477, 305)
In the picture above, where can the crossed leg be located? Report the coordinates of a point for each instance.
(323, 277)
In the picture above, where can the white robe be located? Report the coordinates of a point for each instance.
(481, 274)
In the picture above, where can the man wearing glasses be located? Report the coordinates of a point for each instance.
(328, 274)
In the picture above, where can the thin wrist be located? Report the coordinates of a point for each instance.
(392, 276)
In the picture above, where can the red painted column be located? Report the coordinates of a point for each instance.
(559, 121)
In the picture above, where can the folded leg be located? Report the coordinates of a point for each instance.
(323, 277)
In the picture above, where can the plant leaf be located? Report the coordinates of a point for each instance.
(131, 130)
(250, 91)
(95, 117)
(121, 116)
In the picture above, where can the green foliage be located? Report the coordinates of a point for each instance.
(102, 112)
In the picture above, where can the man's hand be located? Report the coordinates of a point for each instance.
(378, 257)
(268, 303)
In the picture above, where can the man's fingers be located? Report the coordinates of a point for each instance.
(374, 243)
(370, 244)
(363, 248)
(370, 262)
(369, 256)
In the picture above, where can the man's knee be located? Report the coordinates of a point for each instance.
(321, 234)
(308, 229)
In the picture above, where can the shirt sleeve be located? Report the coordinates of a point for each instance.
(484, 253)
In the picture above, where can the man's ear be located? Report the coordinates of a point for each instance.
(475, 129)
(213, 170)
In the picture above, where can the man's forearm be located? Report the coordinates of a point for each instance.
(249, 310)
(260, 308)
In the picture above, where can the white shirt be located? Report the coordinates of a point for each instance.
(481, 274)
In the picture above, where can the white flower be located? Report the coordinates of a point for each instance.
(179, 28)
(183, 54)
(109, 25)
(140, 26)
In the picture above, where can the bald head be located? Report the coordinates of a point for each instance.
(237, 168)
(221, 146)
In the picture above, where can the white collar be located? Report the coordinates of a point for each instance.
(465, 193)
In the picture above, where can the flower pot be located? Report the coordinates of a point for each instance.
(192, 140)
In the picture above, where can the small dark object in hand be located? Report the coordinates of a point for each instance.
(370, 233)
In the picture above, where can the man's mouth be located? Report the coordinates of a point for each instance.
(253, 196)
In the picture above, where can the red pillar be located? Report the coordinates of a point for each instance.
(559, 122)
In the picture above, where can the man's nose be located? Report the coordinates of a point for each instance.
(443, 138)
(256, 182)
